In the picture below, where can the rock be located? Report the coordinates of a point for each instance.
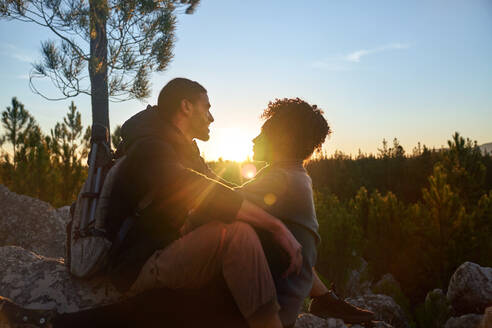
(376, 324)
(470, 289)
(39, 282)
(384, 307)
(64, 214)
(389, 286)
(32, 224)
(358, 282)
(385, 281)
(465, 321)
(306, 320)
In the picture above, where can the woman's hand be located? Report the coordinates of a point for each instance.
(259, 218)
(289, 243)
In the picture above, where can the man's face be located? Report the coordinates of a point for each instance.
(201, 118)
(262, 149)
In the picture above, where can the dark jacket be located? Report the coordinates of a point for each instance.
(159, 159)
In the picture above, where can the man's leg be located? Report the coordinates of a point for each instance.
(232, 250)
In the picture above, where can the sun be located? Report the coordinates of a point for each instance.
(234, 145)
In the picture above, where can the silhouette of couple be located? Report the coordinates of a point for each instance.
(252, 246)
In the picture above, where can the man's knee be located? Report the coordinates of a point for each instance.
(243, 233)
(243, 229)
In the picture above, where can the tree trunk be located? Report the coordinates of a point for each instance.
(98, 64)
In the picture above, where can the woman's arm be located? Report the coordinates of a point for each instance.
(259, 218)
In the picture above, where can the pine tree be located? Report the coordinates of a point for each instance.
(17, 122)
(120, 43)
(67, 146)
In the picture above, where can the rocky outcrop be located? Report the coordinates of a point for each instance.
(387, 281)
(38, 282)
(470, 289)
(384, 307)
(465, 321)
(307, 320)
(32, 224)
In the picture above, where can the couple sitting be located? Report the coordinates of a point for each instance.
(259, 238)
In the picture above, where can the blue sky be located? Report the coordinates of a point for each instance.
(414, 70)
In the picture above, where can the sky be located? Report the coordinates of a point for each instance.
(413, 70)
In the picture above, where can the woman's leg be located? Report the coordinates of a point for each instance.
(319, 287)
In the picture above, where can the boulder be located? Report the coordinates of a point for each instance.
(384, 307)
(375, 324)
(471, 320)
(470, 289)
(306, 320)
(386, 280)
(389, 286)
(32, 224)
(64, 214)
(39, 282)
(358, 282)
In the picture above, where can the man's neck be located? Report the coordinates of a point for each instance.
(183, 129)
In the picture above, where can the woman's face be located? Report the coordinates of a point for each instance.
(262, 149)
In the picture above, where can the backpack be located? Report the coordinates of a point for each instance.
(87, 246)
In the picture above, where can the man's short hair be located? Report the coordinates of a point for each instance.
(175, 91)
(295, 127)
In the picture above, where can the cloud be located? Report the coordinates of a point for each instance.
(13, 51)
(357, 55)
(345, 62)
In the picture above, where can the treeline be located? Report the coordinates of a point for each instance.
(417, 217)
(49, 166)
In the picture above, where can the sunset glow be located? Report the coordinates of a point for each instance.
(230, 144)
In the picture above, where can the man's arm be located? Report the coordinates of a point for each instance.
(180, 190)
(257, 217)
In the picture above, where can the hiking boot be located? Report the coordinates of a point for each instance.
(14, 316)
(329, 305)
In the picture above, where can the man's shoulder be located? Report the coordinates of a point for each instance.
(150, 146)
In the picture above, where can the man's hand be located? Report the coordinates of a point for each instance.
(259, 218)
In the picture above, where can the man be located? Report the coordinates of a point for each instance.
(163, 165)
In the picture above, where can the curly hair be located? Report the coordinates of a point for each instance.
(295, 125)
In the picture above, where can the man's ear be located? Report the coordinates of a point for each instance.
(185, 107)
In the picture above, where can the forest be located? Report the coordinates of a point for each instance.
(417, 215)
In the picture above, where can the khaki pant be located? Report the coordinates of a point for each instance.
(232, 250)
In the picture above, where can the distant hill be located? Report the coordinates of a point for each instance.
(486, 148)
